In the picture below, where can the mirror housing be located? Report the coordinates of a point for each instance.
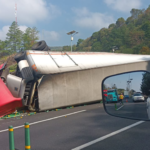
(127, 95)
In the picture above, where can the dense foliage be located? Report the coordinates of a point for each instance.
(145, 86)
(125, 36)
(17, 40)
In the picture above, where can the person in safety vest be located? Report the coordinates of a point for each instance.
(121, 98)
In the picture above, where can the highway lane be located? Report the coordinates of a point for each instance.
(129, 108)
(68, 132)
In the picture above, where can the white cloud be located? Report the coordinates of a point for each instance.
(3, 32)
(123, 5)
(108, 85)
(23, 28)
(28, 11)
(87, 19)
(5, 29)
(54, 10)
(49, 36)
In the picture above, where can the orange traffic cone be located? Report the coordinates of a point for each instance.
(126, 100)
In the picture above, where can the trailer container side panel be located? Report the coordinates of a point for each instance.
(52, 62)
(45, 93)
(71, 88)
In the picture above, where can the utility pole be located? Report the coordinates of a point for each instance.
(16, 13)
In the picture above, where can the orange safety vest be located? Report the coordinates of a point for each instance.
(121, 97)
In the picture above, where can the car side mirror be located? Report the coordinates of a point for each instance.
(126, 95)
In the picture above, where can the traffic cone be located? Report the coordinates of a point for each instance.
(126, 100)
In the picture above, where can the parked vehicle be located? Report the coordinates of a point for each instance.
(112, 96)
(126, 94)
(138, 97)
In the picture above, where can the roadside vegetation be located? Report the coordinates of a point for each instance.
(17, 40)
(12, 68)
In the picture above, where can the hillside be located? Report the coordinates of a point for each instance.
(125, 36)
(11, 63)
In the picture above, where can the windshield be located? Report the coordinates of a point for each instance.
(110, 91)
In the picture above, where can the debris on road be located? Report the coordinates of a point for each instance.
(18, 114)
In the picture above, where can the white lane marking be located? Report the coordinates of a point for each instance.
(120, 107)
(107, 136)
(45, 120)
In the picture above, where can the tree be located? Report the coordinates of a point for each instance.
(146, 27)
(2, 45)
(145, 50)
(145, 86)
(74, 48)
(79, 42)
(135, 13)
(14, 37)
(34, 35)
(136, 37)
(120, 22)
(30, 37)
(66, 48)
(112, 25)
(87, 49)
(96, 47)
(129, 20)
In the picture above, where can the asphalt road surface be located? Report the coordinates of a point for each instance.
(128, 109)
(86, 127)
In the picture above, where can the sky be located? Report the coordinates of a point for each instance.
(55, 18)
(121, 80)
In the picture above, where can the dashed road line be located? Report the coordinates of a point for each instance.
(107, 136)
(33, 123)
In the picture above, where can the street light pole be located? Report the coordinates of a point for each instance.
(72, 33)
(71, 42)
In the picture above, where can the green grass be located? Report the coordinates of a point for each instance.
(12, 68)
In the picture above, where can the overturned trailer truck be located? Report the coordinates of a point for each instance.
(46, 80)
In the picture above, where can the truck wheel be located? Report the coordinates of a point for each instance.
(46, 48)
(20, 56)
(39, 45)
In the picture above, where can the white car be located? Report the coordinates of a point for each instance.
(138, 97)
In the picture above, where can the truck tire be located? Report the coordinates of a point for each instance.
(20, 56)
(39, 45)
(46, 48)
